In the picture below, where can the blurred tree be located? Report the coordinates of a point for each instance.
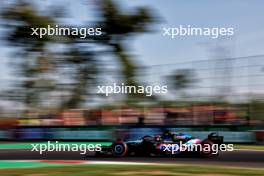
(85, 74)
(34, 59)
(182, 79)
(118, 26)
(37, 66)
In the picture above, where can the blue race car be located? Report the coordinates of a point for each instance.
(166, 144)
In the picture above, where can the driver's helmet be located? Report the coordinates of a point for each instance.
(157, 138)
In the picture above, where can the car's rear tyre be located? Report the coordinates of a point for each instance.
(119, 148)
(207, 149)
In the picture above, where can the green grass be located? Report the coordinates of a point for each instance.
(132, 170)
(26, 164)
(250, 147)
(27, 145)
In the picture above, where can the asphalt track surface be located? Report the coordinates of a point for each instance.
(239, 158)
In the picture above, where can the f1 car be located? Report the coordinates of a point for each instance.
(167, 144)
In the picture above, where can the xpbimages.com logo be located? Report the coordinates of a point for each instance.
(212, 32)
(191, 147)
(63, 147)
(64, 31)
(129, 89)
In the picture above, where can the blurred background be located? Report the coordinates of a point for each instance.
(48, 85)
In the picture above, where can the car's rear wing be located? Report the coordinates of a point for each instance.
(215, 138)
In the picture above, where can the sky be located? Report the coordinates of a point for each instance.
(244, 16)
(155, 49)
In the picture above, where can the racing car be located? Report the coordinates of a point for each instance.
(166, 144)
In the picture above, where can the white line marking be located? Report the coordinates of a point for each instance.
(249, 150)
